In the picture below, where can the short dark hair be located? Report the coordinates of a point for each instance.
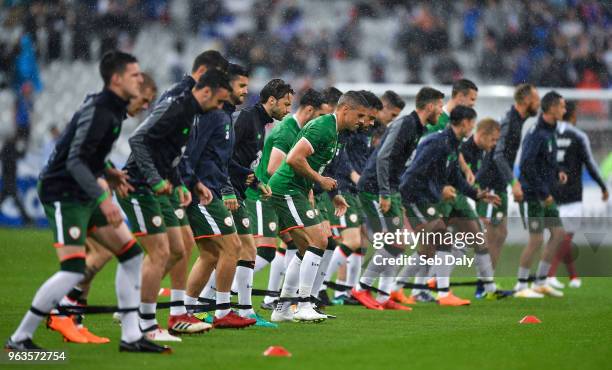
(460, 113)
(114, 62)
(549, 100)
(353, 99)
(276, 88)
(522, 91)
(211, 59)
(463, 86)
(235, 70)
(214, 79)
(427, 95)
(313, 98)
(394, 99)
(372, 99)
(331, 95)
(570, 109)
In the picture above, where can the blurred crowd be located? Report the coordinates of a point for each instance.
(561, 43)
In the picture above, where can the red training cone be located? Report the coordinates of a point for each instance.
(530, 320)
(277, 351)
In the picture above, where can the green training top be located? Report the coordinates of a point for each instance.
(322, 134)
(281, 137)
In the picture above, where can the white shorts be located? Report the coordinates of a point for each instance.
(571, 216)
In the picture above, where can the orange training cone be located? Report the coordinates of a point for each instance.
(530, 320)
(277, 351)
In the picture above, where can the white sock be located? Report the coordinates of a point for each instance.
(308, 273)
(542, 272)
(292, 281)
(523, 274)
(420, 279)
(190, 301)
(289, 254)
(222, 297)
(210, 292)
(277, 272)
(244, 279)
(485, 271)
(177, 296)
(46, 298)
(147, 309)
(353, 268)
(260, 263)
(338, 259)
(338, 293)
(127, 286)
(322, 272)
(442, 273)
(385, 284)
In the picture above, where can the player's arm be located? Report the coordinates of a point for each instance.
(590, 164)
(199, 139)
(276, 158)
(88, 135)
(244, 130)
(505, 168)
(157, 125)
(297, 159)
(390, 152)
(530, 157)
(465, 169)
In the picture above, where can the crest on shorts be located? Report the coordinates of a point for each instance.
(431, 211)
(353, 217)
(500, 214)
(535, 224)
(396, 221)
(157, 221)
(272, 226)
(246, 222)
(74, 232)
(228, 221)
(310, 213)
(316, 211)
(179, 213)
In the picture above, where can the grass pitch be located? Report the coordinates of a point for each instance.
(576, 331)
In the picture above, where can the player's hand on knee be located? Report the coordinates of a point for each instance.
(265, 190)
(340, 205)
(203, 193)
(449, 193)
(184, 196)
(111, 212)
(385, 203)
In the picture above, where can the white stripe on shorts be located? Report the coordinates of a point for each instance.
(343, 220)
(259, 218)
(293, 210)
(210, 220)
(418, 213)
(139, 216)
(381, 217)
(490, 208)
(59, 222)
